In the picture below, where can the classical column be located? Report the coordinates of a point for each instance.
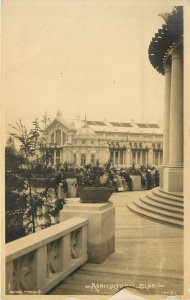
(136, 157)
(176, 112)
(54, 156)
(173, 172)
(150, 156)
(119, 155)
(114, 157)
(166, 127)
(128, 160)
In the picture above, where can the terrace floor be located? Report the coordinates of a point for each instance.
(148, 255)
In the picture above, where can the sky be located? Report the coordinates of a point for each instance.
(82, 57)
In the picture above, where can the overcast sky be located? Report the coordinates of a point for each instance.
(81, 57)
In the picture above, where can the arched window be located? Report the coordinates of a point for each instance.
(64, 137)
(83, 159)
(74, 159)
(58, 137)
(93, 159)
(52, 138)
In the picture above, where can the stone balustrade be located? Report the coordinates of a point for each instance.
(38, 262)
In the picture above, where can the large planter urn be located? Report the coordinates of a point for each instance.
(95, 194)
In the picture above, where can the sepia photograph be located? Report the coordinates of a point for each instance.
(95, 150)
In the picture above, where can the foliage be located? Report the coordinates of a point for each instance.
(12, 158)
(167, 15)
(24, 213)
(26, 138)
(26, 208)
(91, 176)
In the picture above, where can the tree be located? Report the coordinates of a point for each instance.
(36, 130)
(26, 138)
(28, 141)
(12, 158)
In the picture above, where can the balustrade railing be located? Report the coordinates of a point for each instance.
(38, 262)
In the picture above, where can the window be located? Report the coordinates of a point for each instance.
(135, 145)
(58, 137)
(138, 157)
(159, 146)
(52, 138)
(121, 158)
(140, 145)
(83, 142)
(58, 156)
(92, 142)
(144, 158)
(74, 159)
(83, 159)
(134, 156)
(92, 159)
(156, 158)
(111, 155)
(64, 137)
(116, 158)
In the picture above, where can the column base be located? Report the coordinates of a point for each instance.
(101, 227)
(172, 179)
(161, 171)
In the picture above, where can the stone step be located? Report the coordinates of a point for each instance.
(155, 216)
(171, 196)
(162, 205)
(163, 200)
(158, 211)
(175, 194)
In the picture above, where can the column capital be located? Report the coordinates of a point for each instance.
(177, 53)
(167, 68)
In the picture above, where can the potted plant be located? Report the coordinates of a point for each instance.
(94, 184)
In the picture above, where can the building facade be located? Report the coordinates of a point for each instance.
(82, 142)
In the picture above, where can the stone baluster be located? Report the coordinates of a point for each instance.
(66, 251)
(41, 266)
(82, 241)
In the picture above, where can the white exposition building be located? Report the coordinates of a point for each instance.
(82, 142)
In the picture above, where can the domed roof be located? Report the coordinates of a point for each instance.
(85, 132)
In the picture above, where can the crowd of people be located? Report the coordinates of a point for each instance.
(149, 178)
(121, 179)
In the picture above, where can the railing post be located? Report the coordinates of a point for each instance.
(41, 266)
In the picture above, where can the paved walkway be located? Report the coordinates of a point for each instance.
(147, 255)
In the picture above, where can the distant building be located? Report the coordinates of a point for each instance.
(83, 142)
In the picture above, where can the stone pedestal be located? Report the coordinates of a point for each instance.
(101, 228)
(173, 179)
(136, 182)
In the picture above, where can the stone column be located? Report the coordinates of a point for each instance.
(173, 174)
(54, 156)
(128, 161)
(136, 157)
(166, 127)
(176, 112)
(150, 156)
